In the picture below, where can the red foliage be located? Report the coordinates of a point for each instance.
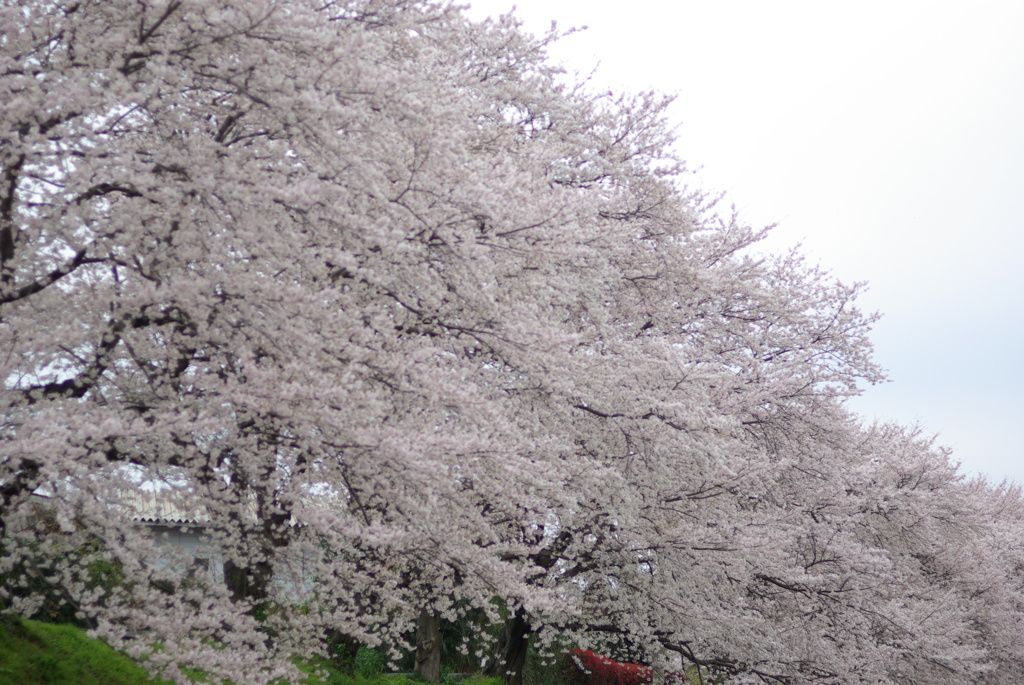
(586, 667)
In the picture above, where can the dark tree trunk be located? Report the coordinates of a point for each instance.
(428, 646)
(248, 583)
(252, 581)
(510, 652)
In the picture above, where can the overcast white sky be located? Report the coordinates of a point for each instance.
(887, 138)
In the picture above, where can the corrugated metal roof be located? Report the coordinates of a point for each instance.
(164, 506)
(175, 505)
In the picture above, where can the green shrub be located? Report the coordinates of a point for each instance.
(369, 662)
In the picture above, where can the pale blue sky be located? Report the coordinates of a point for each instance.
(888, 138)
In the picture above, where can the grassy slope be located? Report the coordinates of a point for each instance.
(34, 653)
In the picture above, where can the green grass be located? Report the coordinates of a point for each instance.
(34, 653)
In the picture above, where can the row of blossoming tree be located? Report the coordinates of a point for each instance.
(390, 294)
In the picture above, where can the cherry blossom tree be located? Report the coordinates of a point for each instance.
(401, 305)
(299, 257)
(248, 243)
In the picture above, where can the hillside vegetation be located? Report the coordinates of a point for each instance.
(34, 652)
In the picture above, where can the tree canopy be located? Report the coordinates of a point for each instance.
(391, 295)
